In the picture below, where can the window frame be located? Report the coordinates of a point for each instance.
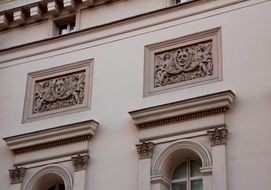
(188, 180)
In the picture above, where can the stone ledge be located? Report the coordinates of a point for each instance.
(183, 110)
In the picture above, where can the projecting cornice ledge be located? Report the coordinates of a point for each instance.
(183, 110)
(52, 137)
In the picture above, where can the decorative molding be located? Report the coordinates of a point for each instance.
(202, 152)
(17, 175)
(19, 16)
(145, 150)
(50, 8)
(52, 137)
(182, 62)
(80, 162)
(218, 136)
(58, 90)
(206, 171)
(47, 170)
(35, 12)
(183, 110)
(3, 21)
(161, 179)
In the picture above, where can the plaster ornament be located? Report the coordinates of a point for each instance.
(183, 64)
(17, 174)
(218, 136)
(60, 92)
(145, 150)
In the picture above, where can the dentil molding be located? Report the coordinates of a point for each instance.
(48, 144)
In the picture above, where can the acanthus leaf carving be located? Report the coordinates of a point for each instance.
(145, 149)
(218, 136)
(80, 162)
(183, 64)
(17, 175)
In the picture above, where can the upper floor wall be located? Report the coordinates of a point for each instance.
(37, 20)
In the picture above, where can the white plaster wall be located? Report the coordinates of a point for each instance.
(118, 88)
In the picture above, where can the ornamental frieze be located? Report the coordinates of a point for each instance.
(59, 92)
(186, 61)
(183, 64)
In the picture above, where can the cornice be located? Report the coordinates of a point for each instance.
(14, 14)
(52, 137)
(119, 23)
(183, 110)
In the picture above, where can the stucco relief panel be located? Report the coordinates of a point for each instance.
(183, 62)
(58, 90)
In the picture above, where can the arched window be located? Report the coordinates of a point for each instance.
(187, 176)
(58, 186)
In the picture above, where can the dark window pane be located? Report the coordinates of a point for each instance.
(52, 188)
(195, 168)
(72, 27)
(179, 186)
(196, 185)
(61, 187)
(180, 171)
(63, 29)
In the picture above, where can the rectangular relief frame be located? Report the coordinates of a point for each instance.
(183, 62)
(58, 91)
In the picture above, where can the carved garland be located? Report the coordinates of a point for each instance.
(183, 64)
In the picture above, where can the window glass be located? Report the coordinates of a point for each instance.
(72, 27)
(196, 185)
(66, 28)
(63, 29)
(195, 168)
(180, 171)
(57, 187)
(179, 186)
(182, 1)
(187, 176)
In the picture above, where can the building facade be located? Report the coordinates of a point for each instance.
(135, 94)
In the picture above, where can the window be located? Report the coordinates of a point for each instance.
(182, 1)
(63, 25)
(57, 187)
(187, 176)
(66, 28)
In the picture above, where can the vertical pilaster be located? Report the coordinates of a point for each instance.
(218, 141)
(16, 177)
(80, 164)
(145, 150)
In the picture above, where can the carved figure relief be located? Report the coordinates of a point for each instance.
(183, 64)
(59, 92)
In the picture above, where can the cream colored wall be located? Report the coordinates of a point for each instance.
(118, 88)
(23, 35)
